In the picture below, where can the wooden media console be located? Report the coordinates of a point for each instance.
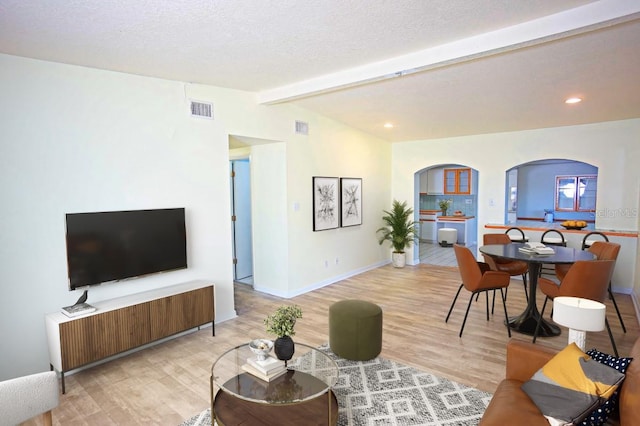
(128, 322)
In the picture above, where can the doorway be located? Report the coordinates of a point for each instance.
(242, 244)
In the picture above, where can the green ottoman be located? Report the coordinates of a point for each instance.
(355, 329)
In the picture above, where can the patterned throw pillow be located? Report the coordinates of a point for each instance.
(571, 385)
(600, 415)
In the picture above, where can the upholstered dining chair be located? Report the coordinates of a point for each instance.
(477, 278)
(512, 267)
(516, 235)
(603, 250)
(587, 279)
(551, 237)
(29, 396)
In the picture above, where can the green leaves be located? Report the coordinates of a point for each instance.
(282, 321)
(401, 229)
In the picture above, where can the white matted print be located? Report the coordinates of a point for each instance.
(326, 203)
(351, 201)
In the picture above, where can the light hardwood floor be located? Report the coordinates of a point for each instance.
(169, 382)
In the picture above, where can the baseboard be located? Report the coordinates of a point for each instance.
(320, 284)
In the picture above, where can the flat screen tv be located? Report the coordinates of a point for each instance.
(112, 246)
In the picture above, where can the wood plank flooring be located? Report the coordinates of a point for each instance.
(169, 382)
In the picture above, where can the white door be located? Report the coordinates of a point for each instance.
(241, 219)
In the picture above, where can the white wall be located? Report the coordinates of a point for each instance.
(76, 139)
(613, 147)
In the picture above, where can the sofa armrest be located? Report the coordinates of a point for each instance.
(525, 358)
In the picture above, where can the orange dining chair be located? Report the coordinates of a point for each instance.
(587, 279)
(478, 278)
(551, 237)
(512, 267)
(603, 250)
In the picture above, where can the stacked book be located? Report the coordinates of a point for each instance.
(78, 309)
(536, 248)
(267, 369)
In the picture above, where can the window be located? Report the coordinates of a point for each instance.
(576, 193)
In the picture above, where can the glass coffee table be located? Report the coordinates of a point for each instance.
(301, 396)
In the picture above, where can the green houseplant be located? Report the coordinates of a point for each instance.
(281, 323)
(444, 206)
(400, 230)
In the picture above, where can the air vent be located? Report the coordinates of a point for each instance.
(302, 128)
(202, 110)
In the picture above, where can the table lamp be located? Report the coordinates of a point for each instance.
(580, 315)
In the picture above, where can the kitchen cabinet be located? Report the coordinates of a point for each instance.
(428, 230)
(435, 181)
(424, 176)
(457, 181)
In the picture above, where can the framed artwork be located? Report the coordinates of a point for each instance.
(351, 201)
(326, 203)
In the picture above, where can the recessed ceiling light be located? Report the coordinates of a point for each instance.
(388, 125)
(572, 100)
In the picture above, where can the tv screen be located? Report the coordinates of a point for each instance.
(112, 246)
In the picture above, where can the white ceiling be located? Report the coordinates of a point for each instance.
(435, 68)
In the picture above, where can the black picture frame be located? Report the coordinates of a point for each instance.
(350, 202)
(326, 203)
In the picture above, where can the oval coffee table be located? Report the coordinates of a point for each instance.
(302, 395)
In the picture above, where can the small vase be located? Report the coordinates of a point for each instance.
(444, 212)
(284, 348)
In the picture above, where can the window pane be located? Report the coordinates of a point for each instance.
(565, 193)
(587, 193)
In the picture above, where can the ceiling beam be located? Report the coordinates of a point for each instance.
(593, 16)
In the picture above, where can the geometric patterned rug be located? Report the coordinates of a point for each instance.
(383, 392)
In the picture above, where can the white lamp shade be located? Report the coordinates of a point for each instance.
(579, 314)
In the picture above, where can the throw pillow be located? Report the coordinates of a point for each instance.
(600, 415)
(571, 385)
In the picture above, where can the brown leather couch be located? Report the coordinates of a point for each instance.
(510, 405)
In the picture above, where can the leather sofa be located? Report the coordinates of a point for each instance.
(510, 405)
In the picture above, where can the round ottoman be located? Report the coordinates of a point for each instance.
(355, 329)
(447, 236)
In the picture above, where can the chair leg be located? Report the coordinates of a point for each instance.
(615, 305)
(506, 317)
(454, 302)
(465, 315)
(524, 281)
(613, 343)
(493, 303)
(535, 333)
(486, 294)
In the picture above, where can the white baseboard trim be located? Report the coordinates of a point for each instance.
(320, 284)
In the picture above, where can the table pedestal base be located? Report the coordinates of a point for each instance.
(526, 322)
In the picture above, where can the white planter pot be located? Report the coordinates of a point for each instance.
(398, 259)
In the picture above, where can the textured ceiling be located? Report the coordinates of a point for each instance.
(332, 56)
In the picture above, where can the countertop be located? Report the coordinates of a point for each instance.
(455, 217)
(535, 225)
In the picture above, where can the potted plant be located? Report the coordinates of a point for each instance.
(444, 206)
(400, 230)
(281, 323)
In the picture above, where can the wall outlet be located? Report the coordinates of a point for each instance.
(468, 201)
(337, 260)
(326, 263)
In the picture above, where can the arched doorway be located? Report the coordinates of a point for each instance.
(456, 184)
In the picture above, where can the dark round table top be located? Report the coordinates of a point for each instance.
(561, 255)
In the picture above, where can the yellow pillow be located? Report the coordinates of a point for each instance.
(571, 385)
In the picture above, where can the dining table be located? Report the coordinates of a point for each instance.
(526, 322)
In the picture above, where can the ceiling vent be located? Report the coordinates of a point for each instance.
(202, 110)
(302, 128)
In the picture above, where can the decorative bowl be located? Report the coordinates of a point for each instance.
(573, 227)
(261, 347)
